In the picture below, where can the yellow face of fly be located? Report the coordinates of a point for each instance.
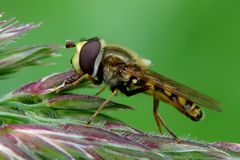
(75, 58)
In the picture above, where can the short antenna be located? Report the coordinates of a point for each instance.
(70, 44)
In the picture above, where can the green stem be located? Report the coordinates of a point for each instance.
(16, 117)
(23, 106)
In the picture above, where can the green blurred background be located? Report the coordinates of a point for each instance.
(193, 42)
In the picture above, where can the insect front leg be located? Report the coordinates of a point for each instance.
(94, 81)
(98, 81)
(66, 84)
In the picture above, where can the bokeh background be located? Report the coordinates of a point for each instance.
(194, 42)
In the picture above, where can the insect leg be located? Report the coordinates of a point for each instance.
(155, 114)
(134, 91)
(101, 108)
(97, 82)
(158, 119)
(101, 90)
(94, 81)
(65, 86)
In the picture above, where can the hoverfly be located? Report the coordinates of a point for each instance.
(124, 71)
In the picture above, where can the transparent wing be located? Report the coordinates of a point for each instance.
(179, 89)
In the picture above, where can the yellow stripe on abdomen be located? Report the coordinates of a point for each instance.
(190, 109)
(182, 101)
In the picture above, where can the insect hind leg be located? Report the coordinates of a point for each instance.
(158, 119)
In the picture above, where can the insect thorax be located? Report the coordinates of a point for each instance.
(112, 68)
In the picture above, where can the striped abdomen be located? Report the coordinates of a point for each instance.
(190, 109)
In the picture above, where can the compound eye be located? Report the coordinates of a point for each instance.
(88, 55)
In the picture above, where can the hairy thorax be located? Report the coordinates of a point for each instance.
(112, 71)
